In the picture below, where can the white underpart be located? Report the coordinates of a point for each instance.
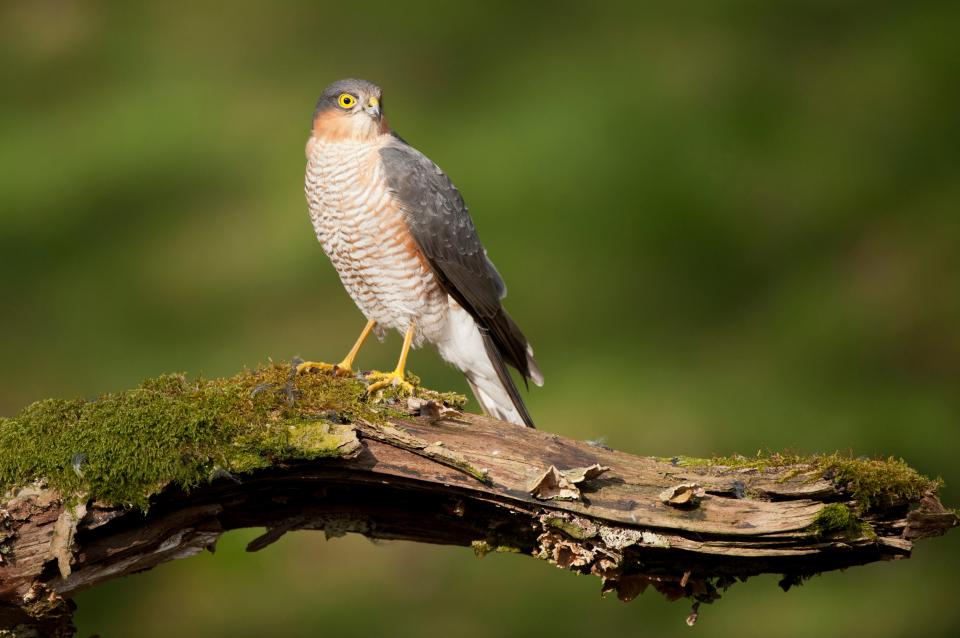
(461, 345)
(360, 228)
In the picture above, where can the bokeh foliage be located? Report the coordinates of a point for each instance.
(725, 226)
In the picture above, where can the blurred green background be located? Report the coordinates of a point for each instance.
(725, 226)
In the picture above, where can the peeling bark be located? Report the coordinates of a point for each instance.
(461, 479)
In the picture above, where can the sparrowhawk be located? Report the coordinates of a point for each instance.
(405, 247)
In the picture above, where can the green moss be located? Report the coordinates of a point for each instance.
(836, 518)
(453, 399)
(761, 461)
(482, 548)
(392, 396)
(503, 541)
(571, 528)
(869, 482)
(123, 447)
(879, 481)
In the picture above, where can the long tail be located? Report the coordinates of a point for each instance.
(498, 394)
(474, 352)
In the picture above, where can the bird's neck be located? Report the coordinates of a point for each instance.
(335, 127)
(321, 145)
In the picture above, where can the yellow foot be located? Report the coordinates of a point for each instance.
(383, 380)
(341, 369)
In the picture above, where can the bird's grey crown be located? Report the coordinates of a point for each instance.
(354, 86)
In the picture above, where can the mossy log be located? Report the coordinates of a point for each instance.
(99, 489)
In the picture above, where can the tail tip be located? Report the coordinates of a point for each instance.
(535, 375)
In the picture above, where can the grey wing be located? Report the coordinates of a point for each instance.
(441, 225)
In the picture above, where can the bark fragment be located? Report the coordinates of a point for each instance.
(683, 495)
(563, 485)
(61, 544)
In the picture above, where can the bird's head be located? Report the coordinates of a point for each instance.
(350, 109)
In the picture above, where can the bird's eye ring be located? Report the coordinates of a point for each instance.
(346, 100)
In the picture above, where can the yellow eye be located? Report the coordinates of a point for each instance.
(346, 100)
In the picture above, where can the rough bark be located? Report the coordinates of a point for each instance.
(461, 479)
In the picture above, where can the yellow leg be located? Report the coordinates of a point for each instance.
(345, 367)
(395, 378)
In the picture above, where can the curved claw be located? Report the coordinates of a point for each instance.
(388, 379)
(337, 369)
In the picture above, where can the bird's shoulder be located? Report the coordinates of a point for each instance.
(438, 219)
(417, 181)
(433, 207)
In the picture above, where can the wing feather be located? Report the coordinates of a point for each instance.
(441, 225)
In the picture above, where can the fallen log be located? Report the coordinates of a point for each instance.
(95, 490)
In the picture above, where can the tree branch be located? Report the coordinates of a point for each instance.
(686, 527)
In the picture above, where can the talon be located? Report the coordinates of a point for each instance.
(337, 369)
(395, 378)
(345, 367)
(389, 379)
(308, 366)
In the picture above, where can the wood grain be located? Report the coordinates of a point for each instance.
(466, 480)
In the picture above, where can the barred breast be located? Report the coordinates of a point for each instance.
(362, 230)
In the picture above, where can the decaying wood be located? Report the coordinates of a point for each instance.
(461, 479)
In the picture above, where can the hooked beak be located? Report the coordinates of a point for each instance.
(373, 108)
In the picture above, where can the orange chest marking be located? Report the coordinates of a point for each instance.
(337, 126)
(357, 207)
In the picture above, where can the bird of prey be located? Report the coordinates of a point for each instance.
(405, 247)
